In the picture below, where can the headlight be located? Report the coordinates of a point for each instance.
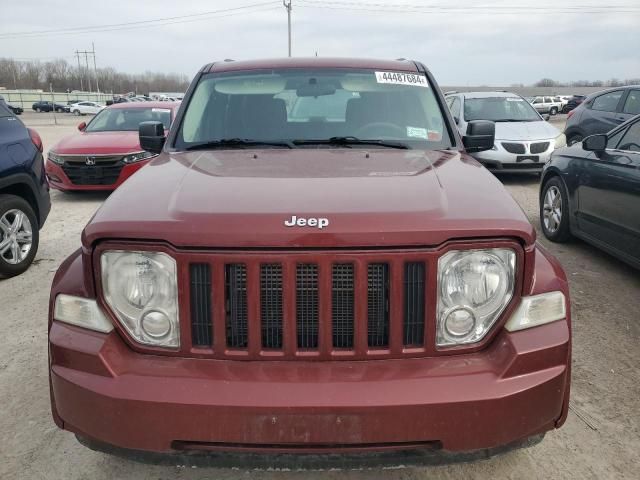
(474, 287)
(142, 290)
(137, 157)
(55, 158)
(560, 141)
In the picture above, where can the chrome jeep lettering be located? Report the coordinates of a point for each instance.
(296, 221)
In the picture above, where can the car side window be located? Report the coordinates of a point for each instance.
(632, 104)
(537, 100)
(548, 100)
(614, 140)
(455, 108)
(631, 139)
(607, 102)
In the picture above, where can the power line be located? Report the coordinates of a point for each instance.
(142, 23)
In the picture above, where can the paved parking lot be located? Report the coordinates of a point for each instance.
(601, 438)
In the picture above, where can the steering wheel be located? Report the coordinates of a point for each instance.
(363, 132)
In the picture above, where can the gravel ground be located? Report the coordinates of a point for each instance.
(601, 438)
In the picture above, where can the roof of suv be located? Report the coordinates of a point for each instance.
(311, 62)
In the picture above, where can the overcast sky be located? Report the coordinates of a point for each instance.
(501, 44)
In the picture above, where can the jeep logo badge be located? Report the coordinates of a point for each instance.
(90, 161)
(295, 221)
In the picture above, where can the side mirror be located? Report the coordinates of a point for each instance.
(151, 136)
(595, 143)
(82, 126)
(481, 135)
(546, 118)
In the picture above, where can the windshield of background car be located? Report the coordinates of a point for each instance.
(128, 119)
(314, 104)
(500, 109)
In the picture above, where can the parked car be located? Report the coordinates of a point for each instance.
(15, 109)
(45, 106)
(546, 104)
(573, 102)
(591, 190)
(343, 279)
(106, 151)
(524, 140)
(86, 108)
(601, 112)
(24, 194)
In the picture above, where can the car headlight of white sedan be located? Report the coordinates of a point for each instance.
(142, 290)
(560, 141)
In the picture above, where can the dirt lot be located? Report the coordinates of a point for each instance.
(601, 438)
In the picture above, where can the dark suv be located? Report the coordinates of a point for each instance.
(601, 112)
(24, 194)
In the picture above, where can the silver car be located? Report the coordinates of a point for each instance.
(524, 140)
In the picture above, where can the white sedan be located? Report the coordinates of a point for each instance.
(83, 108)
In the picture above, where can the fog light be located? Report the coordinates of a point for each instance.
(155, 324)
(460, 322)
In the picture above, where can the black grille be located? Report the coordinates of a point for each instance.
(104, 172)
(307, 305)
(201, 327)
(539, 147)
(414, 304)
(378, 304)
(342, 305)
(236, 305)
(517, 148)
(271, 305)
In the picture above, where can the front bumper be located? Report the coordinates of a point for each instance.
(501, 160)
(103, 390)
(60, 181)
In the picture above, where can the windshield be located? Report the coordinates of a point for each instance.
(299, 106)
(127, 119)
(500, 109)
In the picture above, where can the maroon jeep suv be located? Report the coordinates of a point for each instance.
(313, 264)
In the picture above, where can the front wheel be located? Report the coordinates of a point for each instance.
(554, 211)
(76, 113)
(37, 109)
(573, 139)
(19, 235)
(553, 111)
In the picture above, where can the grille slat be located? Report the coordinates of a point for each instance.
(271, 305)
(236, 305)
(539, 147)
(414, 294)
(307, 305)
(378, 304)
(342, 305)
(201, 326)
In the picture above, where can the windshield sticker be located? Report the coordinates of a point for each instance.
(511, 99)
(416, 132)
(397, 78)
(161, 110)
(434, 135)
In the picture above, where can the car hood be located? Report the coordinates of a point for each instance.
(98, 143)
(526, 131)
(241, 199)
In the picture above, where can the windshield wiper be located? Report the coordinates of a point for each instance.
(239, 142)
(515, 120)
(348, 141)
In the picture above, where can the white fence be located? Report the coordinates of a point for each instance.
(26, 98)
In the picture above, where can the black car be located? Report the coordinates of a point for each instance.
(15, 109)
(602, 111)
(573, 103)
(48, 106)
(591, 190)
(24, 194)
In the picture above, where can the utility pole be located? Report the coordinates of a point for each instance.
(95, 68)
(288, 6)
(79, 70)
(86, 59)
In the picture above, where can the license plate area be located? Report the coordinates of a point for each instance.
(527, 158)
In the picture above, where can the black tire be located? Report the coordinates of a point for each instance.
(574, 138)
(561, 233)
(76, 113)
(37, 109)
(13, 202)
(553, 111)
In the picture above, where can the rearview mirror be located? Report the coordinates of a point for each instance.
(595, 143)
(82, 126)
(481, 135)
(151, 136)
